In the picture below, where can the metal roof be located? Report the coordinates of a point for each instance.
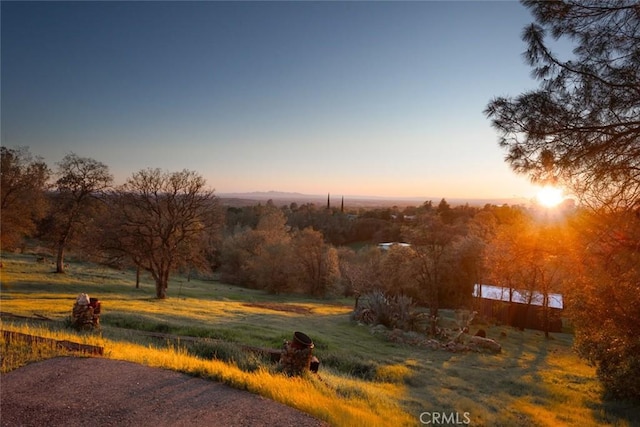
(388, 245)
(499, 293)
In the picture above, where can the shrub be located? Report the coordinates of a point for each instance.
(394, 312)
(618, 362)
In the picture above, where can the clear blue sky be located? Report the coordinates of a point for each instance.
(352, 98)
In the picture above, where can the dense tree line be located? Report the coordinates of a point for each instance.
(164, 222)
(158, 221)
(168, 222)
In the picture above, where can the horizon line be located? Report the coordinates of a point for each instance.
(275, 193)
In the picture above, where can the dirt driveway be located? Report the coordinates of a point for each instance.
(69, 391)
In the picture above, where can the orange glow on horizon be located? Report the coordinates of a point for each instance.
(550, 197)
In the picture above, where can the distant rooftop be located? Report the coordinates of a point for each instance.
(388, 245)
(499, 293)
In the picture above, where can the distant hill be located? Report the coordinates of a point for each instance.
(280, 198)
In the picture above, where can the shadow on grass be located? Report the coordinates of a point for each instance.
(610, 411)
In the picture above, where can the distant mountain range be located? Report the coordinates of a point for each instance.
(282, 198)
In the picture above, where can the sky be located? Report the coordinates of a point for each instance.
(351, 98)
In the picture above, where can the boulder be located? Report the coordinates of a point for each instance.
(481, 343)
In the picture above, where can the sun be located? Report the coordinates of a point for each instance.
(550, 197)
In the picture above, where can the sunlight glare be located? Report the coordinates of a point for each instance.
(550, 197)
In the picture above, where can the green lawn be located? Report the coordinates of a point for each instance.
(533, 381)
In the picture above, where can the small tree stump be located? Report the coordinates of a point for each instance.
(86, 312)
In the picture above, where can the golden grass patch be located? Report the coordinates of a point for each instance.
(363, 379)
(370, 405)
(397, 373)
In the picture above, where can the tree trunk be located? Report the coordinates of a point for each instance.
(162, 283)
(62, 242)
(137, 276)
(161, 289)
(525, 316)
(545, 315)
(433, 316)
(60, 258)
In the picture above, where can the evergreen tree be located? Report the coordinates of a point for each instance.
(581, 129)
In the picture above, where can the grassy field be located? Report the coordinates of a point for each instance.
(363, 379)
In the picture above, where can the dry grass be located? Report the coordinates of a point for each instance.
(363, 379)
(368, 405)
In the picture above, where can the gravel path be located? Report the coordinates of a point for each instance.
(69, 391)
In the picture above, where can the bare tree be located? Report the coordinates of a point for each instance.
(80, 187)
(528, 257)
(361, 271)
(164, 221)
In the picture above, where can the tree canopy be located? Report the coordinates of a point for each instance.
(81, 182)
(22, 194)
(581, 127)
(164, 221)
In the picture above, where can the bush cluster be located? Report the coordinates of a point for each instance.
(392, 311)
